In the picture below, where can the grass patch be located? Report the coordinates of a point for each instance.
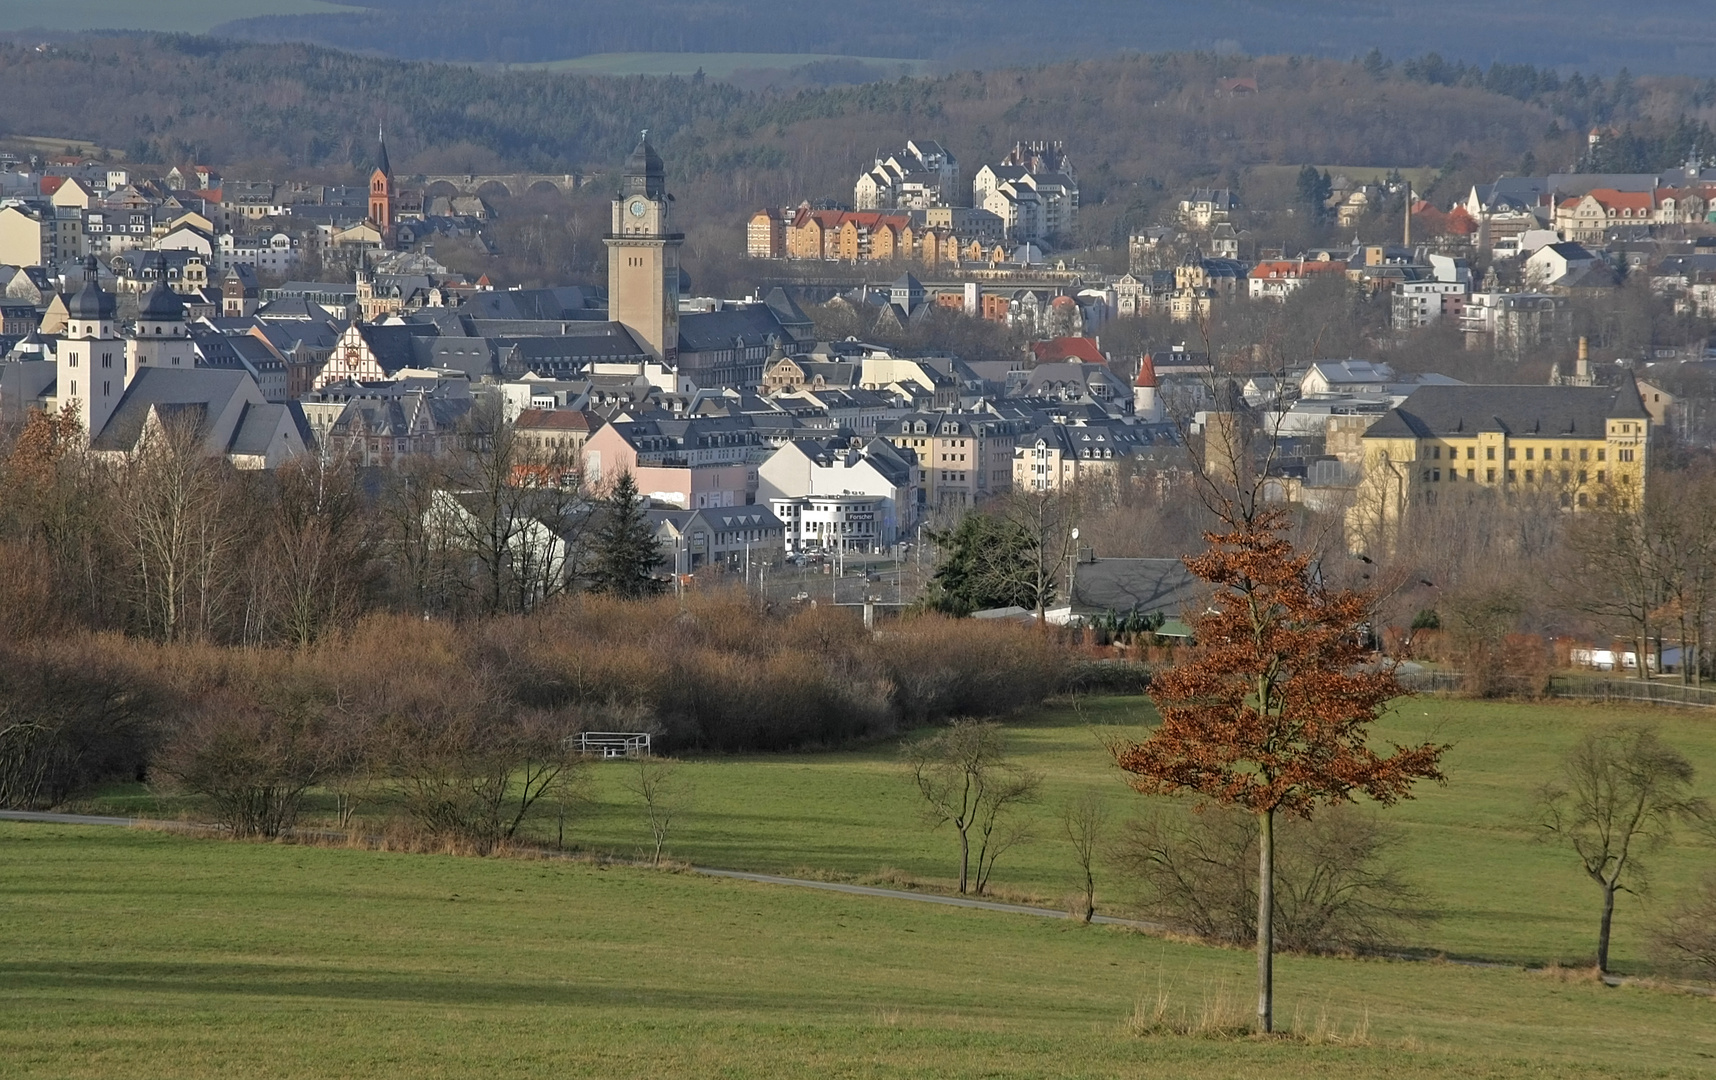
(853, 815)
(128, 952)
(165, 16)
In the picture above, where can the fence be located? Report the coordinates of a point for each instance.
(1582, 687)
(613, 744)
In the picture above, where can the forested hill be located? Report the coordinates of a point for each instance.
(1648, 35)
(1138, 127)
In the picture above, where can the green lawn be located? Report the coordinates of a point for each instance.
(168, 16)
(131, 953)
(854, 814)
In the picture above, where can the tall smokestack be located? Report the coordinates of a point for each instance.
(1582, 373)
(1409, 215)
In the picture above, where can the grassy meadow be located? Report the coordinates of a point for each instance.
(854, 815)
(138, 953)
(166, 16)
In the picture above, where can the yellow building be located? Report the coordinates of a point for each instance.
(1575, 446)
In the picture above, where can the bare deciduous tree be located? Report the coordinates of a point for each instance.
(665, 797)
(1085, 823)
(1621, 791)
(1686, 937)
(967, 782)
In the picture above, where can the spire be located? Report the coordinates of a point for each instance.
(1146, 373)
(381, 162)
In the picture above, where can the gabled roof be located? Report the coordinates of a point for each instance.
(180, 392)
(1144, 586)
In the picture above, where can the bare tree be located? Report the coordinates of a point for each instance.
(1044, 523)
(418, 543)
(519, 510)
(1085, 823)
(1621, 791)
(665, 797)
(967, 782)
(1686, 937)
(178, 528)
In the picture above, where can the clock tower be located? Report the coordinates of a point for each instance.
(643, 257)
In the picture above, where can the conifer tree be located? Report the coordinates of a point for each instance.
(626, 550)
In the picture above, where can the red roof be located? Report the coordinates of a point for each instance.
(1068, 348)
(51, 184)
(1146, 373)
(1295, 268)
(1615, 200)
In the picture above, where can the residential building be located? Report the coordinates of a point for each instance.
(1571, 446)
(728, 537)
(966, 457)
(825, 523)
(887, 478)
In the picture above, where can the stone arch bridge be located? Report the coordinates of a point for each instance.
(511, 184)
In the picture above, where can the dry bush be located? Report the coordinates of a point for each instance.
(73, 713)
(1337, 886)
(1685, 940)
(942, 667)
(254, 748)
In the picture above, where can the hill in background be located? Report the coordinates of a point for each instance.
(1654, 35)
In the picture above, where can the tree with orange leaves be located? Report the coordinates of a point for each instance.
(1273, 711)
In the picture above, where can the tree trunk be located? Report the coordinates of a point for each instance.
(1603, 931)
(1266, 922)
(964, 859)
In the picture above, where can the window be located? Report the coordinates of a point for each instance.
(1472, 474)
(1582, 476)
(1490, 475)
(1530, 475)
(1511, 452)
(1471, 452)
(1602, 477)
(1581, 498)
(1489, 453)
(1601, 454)
(1566, 455)
(1564, 476)
(1511, 476)
(1435, 474)
(1436, 451)
(1528, 452)
(1584, 454)
(1623, 455)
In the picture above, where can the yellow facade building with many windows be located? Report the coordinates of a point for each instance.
(1569, 446)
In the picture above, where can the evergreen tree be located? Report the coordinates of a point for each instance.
(983, 565)
(626, 550)
(1314, 191)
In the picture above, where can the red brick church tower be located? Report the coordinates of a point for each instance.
(381, 192)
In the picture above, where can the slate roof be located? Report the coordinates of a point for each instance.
(1540, 411)
(710, 331)
(193, 392)
(1145, 586)
(256, 428)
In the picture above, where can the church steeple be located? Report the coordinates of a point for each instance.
(381, 190)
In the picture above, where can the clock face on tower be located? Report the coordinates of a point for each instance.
(638, 207)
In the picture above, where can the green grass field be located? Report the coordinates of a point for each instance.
(168, 16)
(854, 815)
(134, 953)
(714, 65)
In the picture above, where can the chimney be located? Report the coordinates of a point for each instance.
(1582, 373)
(1408, 238)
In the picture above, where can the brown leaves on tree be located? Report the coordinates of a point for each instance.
(1273, 711)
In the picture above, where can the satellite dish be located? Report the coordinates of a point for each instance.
(1075, 534)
